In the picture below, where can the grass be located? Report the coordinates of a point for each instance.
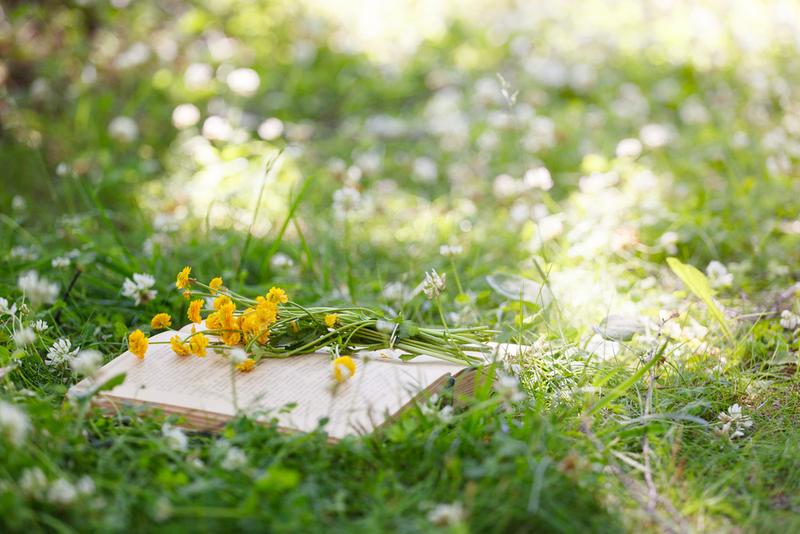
(630, 367)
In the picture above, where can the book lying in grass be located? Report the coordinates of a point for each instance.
(298, 391)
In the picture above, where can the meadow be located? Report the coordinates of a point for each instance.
(612, 184)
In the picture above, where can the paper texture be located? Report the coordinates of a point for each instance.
(203, 388)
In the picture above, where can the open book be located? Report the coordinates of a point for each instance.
(298, 391)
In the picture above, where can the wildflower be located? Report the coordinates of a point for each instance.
(270, 129)
(629, 148)
(718, 275)
(330, 319)
(123, 129)
(61, 262)
(61, 352)
(62, 492)
(277, 295)
(175, 438)
(161, 320)
(434, 284)
(538, 178)
(734, 423)
(669, 241)
(24, 253)
(14, 424)
(215, 284)
(185, 115)
(86, 363)
(5, 309)
(451, 250)
(213, 321)
(24, 336)
(139, 289)
(346, 200)
(221, 301)
(137, 343)
(425, 170)
(234, 459)
(33, 482)
(789, 320)
(246, 366)
(507, 387)
(243, 82)
(447, 514)
(85, 485)
(178, 347)
(37, 290)
(267, 310)
(40, 325)
(182, 281)
(194, 311)
(280, 261)
(198, 343)
(344, 368)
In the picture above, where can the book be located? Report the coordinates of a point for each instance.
(298, 391)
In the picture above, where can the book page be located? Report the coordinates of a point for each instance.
(381, 386)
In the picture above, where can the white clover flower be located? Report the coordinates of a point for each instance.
(447, 514)
(40, 326)
(18, 203)
(718, 275)
(37, 290)
(270, 129)
(175, 438)
(61, 352)
(655, 135)
(197, 75)
(24, 253)
(234, 459)
(62, 492)
(669, 242)
(789, 320)
(346, 200)
(5, 309)
(217, 128)
(396, 291)
(538, 178)
(14, 424)
(85, 485)
(123, 129)
(33, 482)
(243, 82)
(280, 261)
(86, 363)
(425, 170)
(629, 148)
(434, 284)
(237, 356)
(61, 262)
(24, 337)
(451, 250)
(139, 289)
(734, 423)
(185, 116)
(507, 387)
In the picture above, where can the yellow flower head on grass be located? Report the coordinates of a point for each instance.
(246, 366)
(137, 343)
(161, 320)
(178, 347)
(182, 281)
(277, 295)
(215, 284)
(344, 368)
(198, 343)
(194, 311)
(330, 319)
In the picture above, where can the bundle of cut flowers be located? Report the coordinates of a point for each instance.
(246, 330)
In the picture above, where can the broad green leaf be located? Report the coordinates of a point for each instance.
(698, 284)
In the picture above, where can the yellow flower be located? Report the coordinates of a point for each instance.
(182, 281)
(246, 366)
(267, 311)
(222, 300)
(330, 319)
(198, 343)
(277, 295)
(344, 367)
(213, 321)
(137, 343)
(215, 284)
(194, 311)
(181, 349)
(161, 320)
(187, 294)
(231, 337)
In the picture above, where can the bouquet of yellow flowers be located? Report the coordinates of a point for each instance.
(248, 330)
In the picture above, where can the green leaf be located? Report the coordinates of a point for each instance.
(698, 284)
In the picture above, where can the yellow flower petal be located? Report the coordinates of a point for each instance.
(344, 368)
(137, 343)
(161, 320)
